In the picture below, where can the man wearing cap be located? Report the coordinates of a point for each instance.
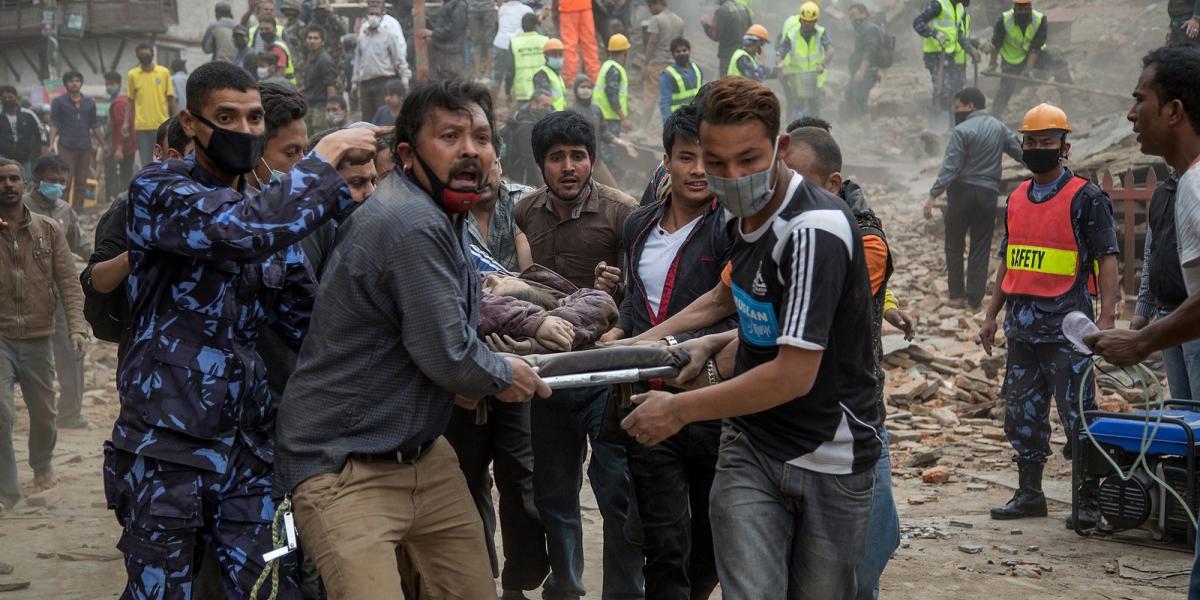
(745, 60)
(614, 84)
(548, 79)
(1058, 240)
(945, 25)
(1019, 37)
(804, 51)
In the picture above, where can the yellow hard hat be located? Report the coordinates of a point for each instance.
(553, 44)
(618, 42)
(809, 11)
(759, 32)
(1044, 117)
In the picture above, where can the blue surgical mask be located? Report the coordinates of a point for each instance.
(745, 196)
(53, 191)
(555, 63)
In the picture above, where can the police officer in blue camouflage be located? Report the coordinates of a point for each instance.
(190, 461)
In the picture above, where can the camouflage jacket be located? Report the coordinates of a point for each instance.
(207, 266)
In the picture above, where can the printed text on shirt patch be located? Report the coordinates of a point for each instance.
(758, 323)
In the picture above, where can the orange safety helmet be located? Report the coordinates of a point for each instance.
(1044, 117)
(553, 44)
(759, 32)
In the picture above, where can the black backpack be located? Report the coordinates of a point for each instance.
(885, 53)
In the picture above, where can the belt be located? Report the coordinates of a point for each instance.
(404, 457)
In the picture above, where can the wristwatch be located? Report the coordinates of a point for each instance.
(670, 340)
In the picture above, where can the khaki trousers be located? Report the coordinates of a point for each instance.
(377, 523)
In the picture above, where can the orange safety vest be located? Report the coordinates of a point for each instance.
(1042, 256)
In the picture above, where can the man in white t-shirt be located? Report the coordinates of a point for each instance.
(675, 250)
(508, 25)
(1166, 118)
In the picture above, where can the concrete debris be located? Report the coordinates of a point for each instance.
(13, 586)
(5, 568)
(936, 475)
(970, 548)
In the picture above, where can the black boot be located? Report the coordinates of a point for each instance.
(1029, 501)
(1089, 506)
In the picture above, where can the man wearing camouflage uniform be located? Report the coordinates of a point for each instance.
(191, 455)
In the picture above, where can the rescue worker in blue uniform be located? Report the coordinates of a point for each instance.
(1059, 237)
(190, 461)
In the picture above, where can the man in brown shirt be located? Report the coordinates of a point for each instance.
(575, 227)
(34, 259)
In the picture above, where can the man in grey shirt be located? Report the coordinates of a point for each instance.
(390, 345)
(970, 177)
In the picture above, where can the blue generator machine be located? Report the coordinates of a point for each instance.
(1169, 436)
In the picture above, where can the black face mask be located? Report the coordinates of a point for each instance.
(1041, 160)
(1023, 19)
(960, 116)
(10, 105)
(683, 59)
(451, 200)
(268, 37)
(233, 152)
(145, 60)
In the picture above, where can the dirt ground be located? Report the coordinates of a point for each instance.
(66, 550)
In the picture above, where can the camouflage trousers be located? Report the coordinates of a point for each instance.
(1036, 374)
(168, 510)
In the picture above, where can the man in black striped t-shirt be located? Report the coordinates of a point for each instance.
(792, 496)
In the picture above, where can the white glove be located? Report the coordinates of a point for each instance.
(79, 344)
(941, 37)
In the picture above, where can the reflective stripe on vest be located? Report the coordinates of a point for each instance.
(606, 109)
(733, 70)
(527, 59)
(806, 55)
(947, 22)
(1043, 256)
(1018, 42)
(683, 95)
(289, 71)
(558, 91)
(960, 57)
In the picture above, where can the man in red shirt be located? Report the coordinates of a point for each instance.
(122, 145)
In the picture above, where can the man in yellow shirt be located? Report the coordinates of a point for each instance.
(153, 99)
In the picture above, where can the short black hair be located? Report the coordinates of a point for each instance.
(825, 149)
(449, 94)
(315, 29)
(112, 77)
(529, 22)
(281, 107)
(1176, 71)
(8, 89)
(680, 42)
(396, 88)
(338, 100)
(808, 121)
(656, 2)
(266, 18)
(144, 46)
(178, 64)
(69, 75)
(177, 138)
(972, 96)
(859, 6)
(162, 136)
(8, 162)
(562, 127)
(224, 10)
(50, 163)
(681, 125)
(214, 77)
